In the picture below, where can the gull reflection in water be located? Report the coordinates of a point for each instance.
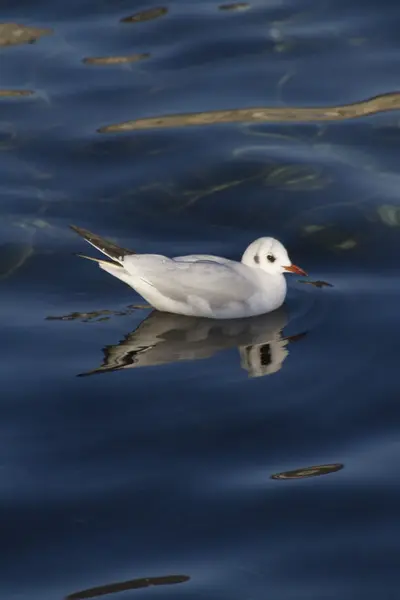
(164, 338)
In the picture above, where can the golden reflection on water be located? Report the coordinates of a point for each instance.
(274, 114)
(13, 33)
(114, 60)
(15, 93)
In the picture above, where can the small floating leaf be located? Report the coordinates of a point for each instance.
(146, 15)
(305, 472)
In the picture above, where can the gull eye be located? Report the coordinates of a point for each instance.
(271, 258)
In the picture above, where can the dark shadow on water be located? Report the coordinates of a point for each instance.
(305, 472)
(164, 338)
(123, 586)
(317, 284)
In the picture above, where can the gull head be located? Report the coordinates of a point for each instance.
(271, 256)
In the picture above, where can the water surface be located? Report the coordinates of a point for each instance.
(238, 461)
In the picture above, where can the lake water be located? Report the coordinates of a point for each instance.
(245, 461)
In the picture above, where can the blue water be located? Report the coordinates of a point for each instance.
(162, 465)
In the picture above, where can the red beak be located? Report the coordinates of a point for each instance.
(297, 270)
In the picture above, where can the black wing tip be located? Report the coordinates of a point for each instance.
(110, 249)
(85, 233)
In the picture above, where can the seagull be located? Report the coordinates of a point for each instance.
(202, 285)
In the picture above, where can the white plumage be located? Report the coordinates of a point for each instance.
(203, 285)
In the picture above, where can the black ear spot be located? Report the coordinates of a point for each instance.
(257, 259)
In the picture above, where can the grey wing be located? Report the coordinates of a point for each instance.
(216, 283)
(202, 257)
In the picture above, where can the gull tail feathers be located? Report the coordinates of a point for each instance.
(113, 251)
